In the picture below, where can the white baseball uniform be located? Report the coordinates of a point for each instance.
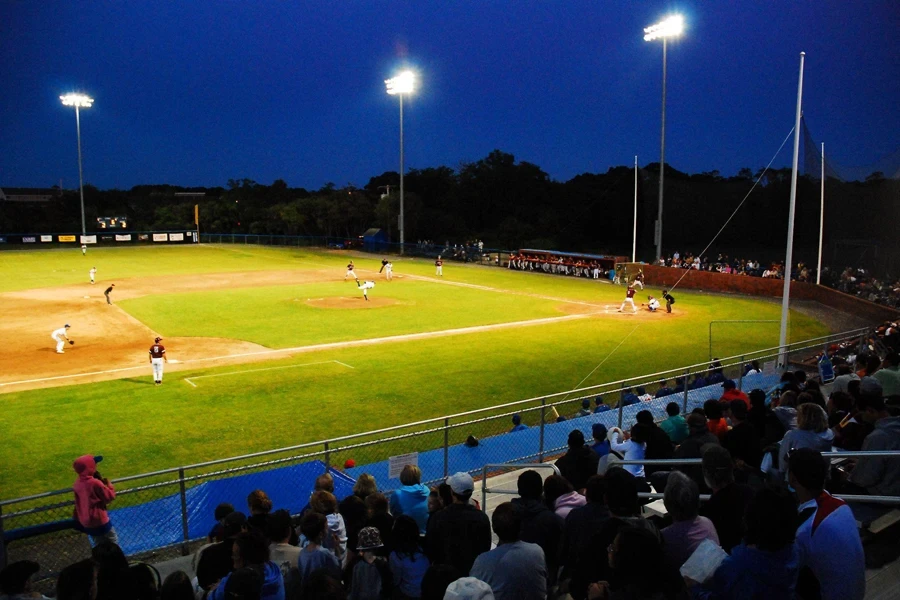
(157, 356)
(365, 287)
(93, 273)
(389, 271)
(60, 336)
(653, 304)
(629, 299)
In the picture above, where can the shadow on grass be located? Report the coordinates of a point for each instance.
(139, 380)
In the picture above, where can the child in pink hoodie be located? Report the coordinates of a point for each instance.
(92, 494)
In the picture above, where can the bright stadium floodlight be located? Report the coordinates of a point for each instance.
(404, 83)
(79, 101)
(670, 27)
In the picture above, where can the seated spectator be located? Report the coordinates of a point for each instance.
(679, 385)
(766, 563)
(715, 421)
(585, 408)
(752, 368)
(730, 392)
(844, 375)
(368, 574)
(845, 421)
(599, 405)
(699, 382)
(412, 497)
(215, 562)
(217, 533)
(515, 570)
(143, 582)
(658, 444)
(380, 518)
(688, 528)
(628, 398)
(692, 447)
(878, 475)
(785, 408)
(675, 426)
(315, 557)
(177, 586)
(743, 442)
(833, 565)
(78, 581)
(728, 503)
(560, 496)
(814, 392)
(583, 522)
(460, 532)
(281, 552)
(812, 432)
(15, 580)
(540, 524)
(768, 426)
(112, 571)
(579, 462)
(251, 552)
(468, 588)
(631, 446)
(437, 578)
(601, 444)
(642, 394)
(517, 423)
(664, 389)
(407, 561)
(636, 560)
(889, 375)
(260, 506)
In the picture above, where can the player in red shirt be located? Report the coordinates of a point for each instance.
(629, 299)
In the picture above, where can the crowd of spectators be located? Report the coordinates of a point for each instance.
(557, 265)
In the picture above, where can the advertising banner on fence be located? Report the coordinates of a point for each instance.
(176, 237)
(160, 237)
(46, 238)
(67, 238)
(89, 239)
(396, 463)
(123, 238)
(143, 237)
(29, 239)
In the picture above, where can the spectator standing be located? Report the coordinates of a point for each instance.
(93, 493)
(460, 532)
(579, 462)
(281, 552)
(368, 574)
(407, 562)
(728, 503)
(540, 524)
(412, 497)
(675, 426)
(681, 538)
(831, 553)
(381, 519)
(314, 557)
(260, 506)
(353, 507)
(812, 432)
(515, 570)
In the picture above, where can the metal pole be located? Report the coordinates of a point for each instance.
(80, 176)
(687, 375)
(662, 161)
(402, 224)
(446, 448)
(786, 295)
(740, 386)
(184, 514)
(543, 420)
(621, 404)
(634, 235)
(821, 219)
(327, 455)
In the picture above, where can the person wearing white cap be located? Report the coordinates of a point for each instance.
(468, 588)
(460, 532)
(60, 336)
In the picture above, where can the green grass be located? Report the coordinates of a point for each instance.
(140, 428)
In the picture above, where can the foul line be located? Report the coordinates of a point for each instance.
(190, 380)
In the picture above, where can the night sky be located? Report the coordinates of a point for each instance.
(194, 93)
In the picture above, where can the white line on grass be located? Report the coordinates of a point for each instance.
(324, 362)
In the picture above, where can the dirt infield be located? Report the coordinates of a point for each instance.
(111, 344)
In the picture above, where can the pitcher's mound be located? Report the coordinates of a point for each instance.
(347, 302)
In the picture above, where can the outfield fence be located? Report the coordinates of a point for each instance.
(169, 512)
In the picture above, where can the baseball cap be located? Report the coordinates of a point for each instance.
(159, 339)
(369, 539)
(14, 577)
(468, 588)
(729, 384)
(461, 483)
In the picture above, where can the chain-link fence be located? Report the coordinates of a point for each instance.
(170, 512)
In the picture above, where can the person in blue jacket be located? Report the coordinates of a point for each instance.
(412, 497)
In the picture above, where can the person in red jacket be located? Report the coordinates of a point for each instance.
(93, 493)
(730, 392)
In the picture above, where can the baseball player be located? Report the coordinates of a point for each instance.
(93, 273)
(439, 267)
(670, 300)
(389, 270)
(83, 249)
(157, 357)
(365, 287)
(639, 280)
(629, 299)
(350, 272)
(652, 303)
(108, 292)
(384, 263)
(60, 336)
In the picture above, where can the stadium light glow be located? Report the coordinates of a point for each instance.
(671, 27)
(79, 100)
(404, 83)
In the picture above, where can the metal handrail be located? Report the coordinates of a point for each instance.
(484, 478)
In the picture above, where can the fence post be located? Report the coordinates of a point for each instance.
(687, 375)
(741, 375)
(543, 420)
(185, 550)
(446, 448)
(621, 404)
(327, 455)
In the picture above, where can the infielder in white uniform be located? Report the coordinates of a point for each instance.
(93, 273)
(389, 271)
(157, 356)
(83, 249)
(365, 287)
(61, 336)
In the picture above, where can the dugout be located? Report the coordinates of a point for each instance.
(606, 262)
(374, 240)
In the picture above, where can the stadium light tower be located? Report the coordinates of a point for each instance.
(671, 27)
(79, 101)
(404, 83)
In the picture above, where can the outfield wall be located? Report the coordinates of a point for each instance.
(116, 237)
(758, 286)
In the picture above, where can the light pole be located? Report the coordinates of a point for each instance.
(670, 27)
(79, 101)
(404, 83)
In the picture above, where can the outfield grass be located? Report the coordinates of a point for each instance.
(140, 428)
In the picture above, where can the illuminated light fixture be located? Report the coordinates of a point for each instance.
(671, 27)
(79, 100)
(404, 83)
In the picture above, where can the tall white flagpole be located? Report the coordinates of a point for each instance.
(821, 219)
(634, 236)
(788, 259)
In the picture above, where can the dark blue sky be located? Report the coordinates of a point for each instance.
(197, 92)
